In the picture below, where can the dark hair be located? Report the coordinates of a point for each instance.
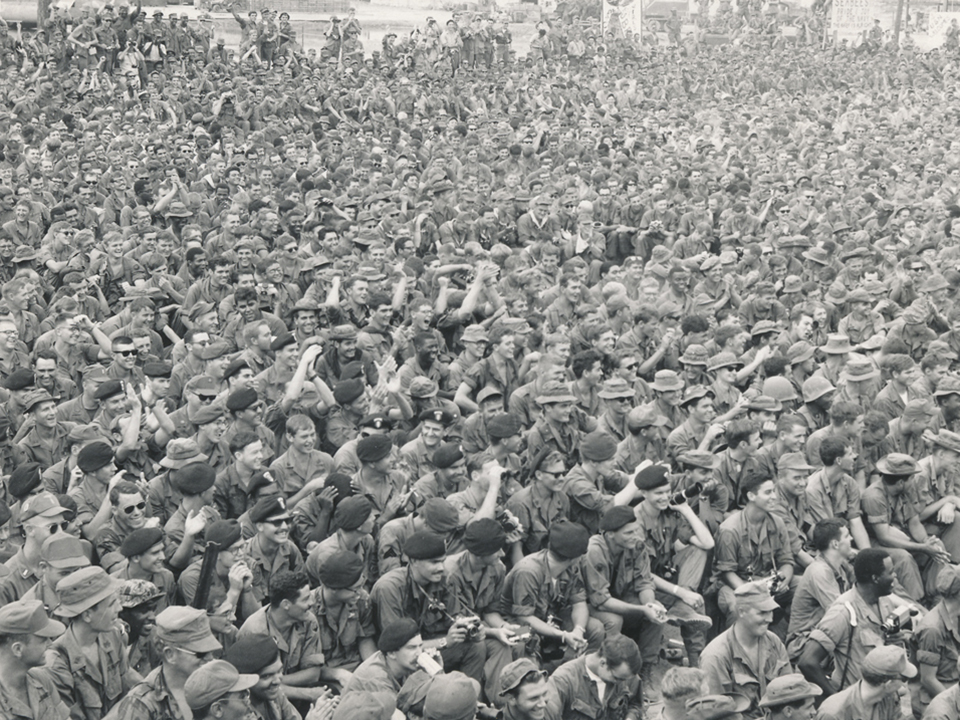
(826, 531)
(739, 431)
(752, 481)
(832, 449)
(842, 411)
(619, 649)
(583, 361)
(122, 488)
(286, 585)
(242, 439)
(869, 564)
(694, 324)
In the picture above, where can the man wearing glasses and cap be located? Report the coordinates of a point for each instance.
(40, 517)
(186, 644)
(25, 635)
(218, 690)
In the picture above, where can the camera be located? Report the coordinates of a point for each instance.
(472, 625)
(508, 521)
(899, 619)
(776, 581)
(688, 494)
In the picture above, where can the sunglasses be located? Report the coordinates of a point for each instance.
(206, 398)
(139, 506)
(53, 527)
(279, 522)
(126, 353)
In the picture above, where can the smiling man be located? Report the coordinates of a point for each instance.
(259, 655)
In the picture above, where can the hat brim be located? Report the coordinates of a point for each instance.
(666, 388)
(737, 364)
(244, 682)
(53, 629)
(550, 399)
(72, 562)
(616, 394)
(836, 351)
(71, 611)
(177, 464)
(910, 671)
(206, 644)
(804, 356)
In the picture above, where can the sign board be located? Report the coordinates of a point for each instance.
(622, 17)
(851, 17)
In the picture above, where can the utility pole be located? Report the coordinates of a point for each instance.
(896, 23)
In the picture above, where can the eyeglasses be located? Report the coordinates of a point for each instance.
(139, 506)
(561, 473)
(53, 527)
(206, 398)
(126, 353)
(198, 655)
(281, 522)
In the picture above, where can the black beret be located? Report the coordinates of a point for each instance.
(424, 545)
(223, 532)
(352, 512)
(503, 426)
(108, 389)
(377, 421)
(193, 479)
(343, 483)
(94, 456)
(157, 369)
(250, 654)
(340, 570)
(347, 391)
(23, 479)
(269, 507)
(374, 448)
(241, 399)
(282, 340)
(484, 537)
(616, 517)
(19, 379)
(447, 454)
(234, 367)
(441, 417)
(397, 634)
(140, 540)
(568, 539)
(652, 476)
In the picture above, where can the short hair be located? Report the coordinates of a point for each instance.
(681, 682)
(121, 340)
(752, 481)
(645, 313)
(619, 649)
(775, 365)
(842, 411)
(242, 439)
(252, 329)
(190, 334)
(124, 487)
(739, 431)
(897, 363)
(13, 287)
(583, 361)
(142, 303)
(245, 294)
(786, 423)
(875, 420)
(567, 278)
(694, 324)
(497, 335)
(298, 422)
(868, 564)
(832, 449)
(826, 531)
(725, 333)
(422, 338)
(378, 300)
(286, 585)
(932, 360)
